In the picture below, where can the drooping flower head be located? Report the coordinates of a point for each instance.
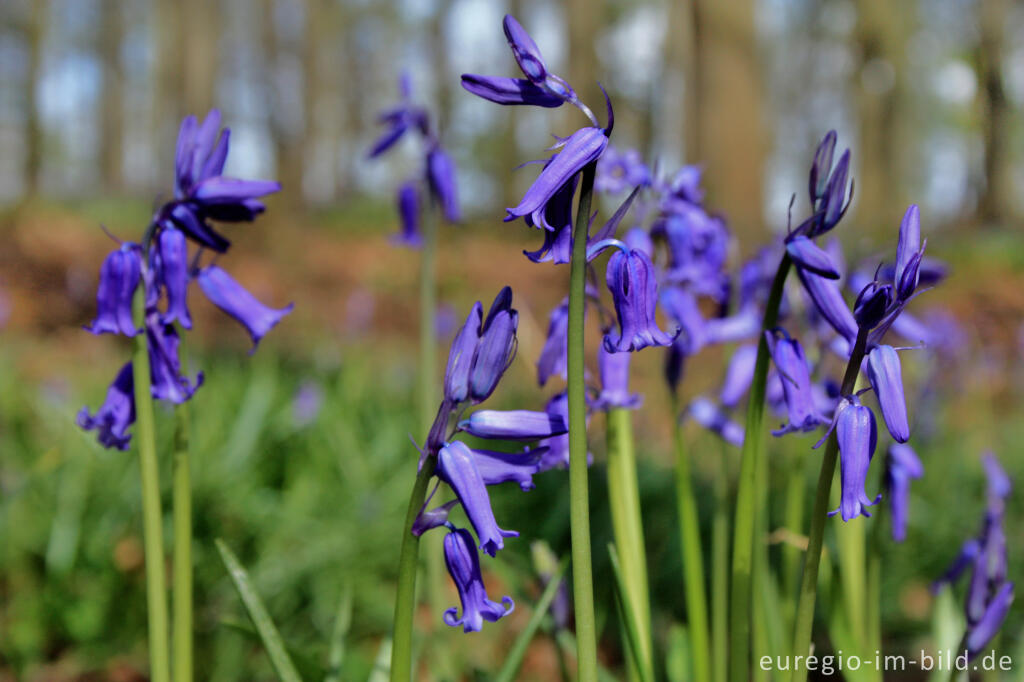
(464, 567)
(857, 435)
(903, 467)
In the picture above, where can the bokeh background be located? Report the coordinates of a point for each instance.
(304, 463)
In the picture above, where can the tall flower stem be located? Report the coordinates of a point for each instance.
(624, 501)
(152, 523)
(720, 573)
(579, 493)
(796, 493)
(408, 564)
(182, 502)
(809, 583)
(693, 557)
(750, 479)
(873, 611)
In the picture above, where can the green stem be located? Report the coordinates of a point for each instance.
(152, 523)
(693, 558)
(720, 573)
(515, 656)
(873, 610)
(182, 588)
(624, 500)
(796, 493)
(579, 494)
(819, 515)
(746, 494)
(408, 563)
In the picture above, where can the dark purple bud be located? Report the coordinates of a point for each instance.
(614, 368)
(822, 165)
(834, 203)
(554, 354)
(183, 156)
(460, 357)
(631, 279)
(409, 213)
(904, 466)
(501, 467)
(502, 90)
(809, 256)
(525, 51)
(795, 372)
(238, 212)
(464, 567)
(872, 304)
(738, 375)
(711, 417)
(441, 175)
(886, 377)
(908, 250)
(457, 467)
(857, 436)
(513, 424)
(966, 558)
(495, 349)
(991, 620)
(119, 277)
(231, 297)
(195, 227)
(173, 273)
(583, 147)
(168, 383)
(117, 413)
(428, 519)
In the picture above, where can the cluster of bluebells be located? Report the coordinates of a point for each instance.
(164, 268)
(989, 593)
(438, 169)
(481, 352)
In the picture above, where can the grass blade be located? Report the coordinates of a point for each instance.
(518, 651)
(626, 615)
(342, 621)
(272, 641)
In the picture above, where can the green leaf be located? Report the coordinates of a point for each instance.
(342, 621)
(272, 641)
(626, 616)
(677, 654)
(518, 650)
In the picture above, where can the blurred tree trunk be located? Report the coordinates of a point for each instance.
(288, 149)
(729, 138)
(994, 202)
(442, 67)
(167, 110)
(681, 72)
(317, 27)
(584, 19)
(201, 56)
(111, 122)
(508, 156)
(882, 28)
(354, 62)
(34, 134)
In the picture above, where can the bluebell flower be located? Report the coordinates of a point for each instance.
(117, 413)
(716, 420)
(496, 466)
(857, 435)
(168, 383)
(456, 466)
(554, 355)
(830, 304)
(119, 277)
(821, 167)
(501, 90)
(441, 178)
(903, 466)
(172, 274)
(886, 377)
(614, 369)
(513, 425)
(495, 347)
(231, 297)
(460, 357)
(464, 567)
(795, 372)
(618, 171)
(409, 214)
(399, 120)
(809, 256)
(738, 375)
(557, 447)
(631, 279)
(685, 185)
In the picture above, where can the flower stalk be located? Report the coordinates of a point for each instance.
(750, 480)
(693, 559)
(152, 524)
(408, 564)
(809, 584)
(720, 573)
(624, 501)
(579, 494)
(181, 603)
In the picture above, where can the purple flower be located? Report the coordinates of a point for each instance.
(857, 435)
(614, 369)
(821, 167)
(809, 256)
(460, 357)
(557, 453)
(886, 377)
(793, 368)
(432, 518)
(409, 213)
(464, 567)
(909, 252)
(501, 467)
(513, 424)
(171, 260)
(685, 185)
(117, 413)
(738, 375)
(457, 467)
(236, 301)
(495, 348)
(441, 178)
(501, 90)
(618, 171)
(554, 354)
(306, 403)
(987, 625)
(555, 218)
(583, 147)
(399, 120)
(716, 420)
(119, 277)
(904, 466)
(829, 302)
(525, 51)
(168, 383)
(630, 277)
(872, 304)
